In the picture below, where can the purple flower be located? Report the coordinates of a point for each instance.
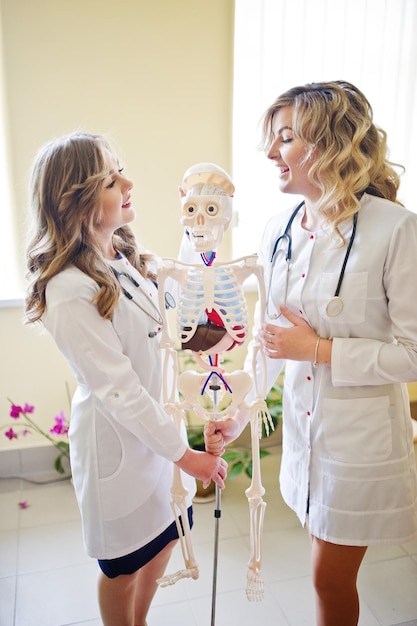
(24, 504)
(15, 411)
(10, 434)
(28, 425)
(61, 427)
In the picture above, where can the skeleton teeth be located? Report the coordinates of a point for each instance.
(201, 235)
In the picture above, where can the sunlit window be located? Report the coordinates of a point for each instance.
(283, 43)
(10, 286)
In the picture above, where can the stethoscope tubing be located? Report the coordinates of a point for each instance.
(287, 236)
(157, 317)
(335, 305)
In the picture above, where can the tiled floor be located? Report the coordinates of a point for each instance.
(47, 580)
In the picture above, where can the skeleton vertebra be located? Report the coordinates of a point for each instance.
(212, 299)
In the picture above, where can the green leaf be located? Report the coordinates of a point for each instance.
(58, 465)
(235, 470)
(195, 436)
(263, 453)
(232, 455)
(275, 412)
(63, 446)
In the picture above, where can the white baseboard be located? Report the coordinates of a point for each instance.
(35, 463)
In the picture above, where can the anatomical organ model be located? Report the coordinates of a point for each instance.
(211, 319)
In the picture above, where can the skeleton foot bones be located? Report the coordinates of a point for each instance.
(171, 579)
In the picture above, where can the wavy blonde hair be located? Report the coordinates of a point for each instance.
(66, 182)
(348, 152)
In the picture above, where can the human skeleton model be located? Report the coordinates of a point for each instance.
(212, 318)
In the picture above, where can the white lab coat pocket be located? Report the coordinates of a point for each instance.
(353, 293)
(121, 491)
(357, 430)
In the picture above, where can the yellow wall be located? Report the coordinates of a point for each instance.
(412, 390)
(156, 76)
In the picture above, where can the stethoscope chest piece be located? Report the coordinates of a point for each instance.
(334, 307)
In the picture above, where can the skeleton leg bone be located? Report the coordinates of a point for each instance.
(254, 583)
(178, 503)
(179, 507)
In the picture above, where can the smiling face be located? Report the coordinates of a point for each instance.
(114, 207)
(290, 156)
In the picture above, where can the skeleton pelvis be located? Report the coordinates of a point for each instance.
(198, 392)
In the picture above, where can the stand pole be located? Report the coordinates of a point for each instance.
(217, 514)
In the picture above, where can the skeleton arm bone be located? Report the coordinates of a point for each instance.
(260, 385)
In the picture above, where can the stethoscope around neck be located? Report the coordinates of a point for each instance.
(154, 314)
(335, 305)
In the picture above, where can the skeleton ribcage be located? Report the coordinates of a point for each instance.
(212, 289)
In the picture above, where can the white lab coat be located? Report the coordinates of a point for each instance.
(122, 442)
(348, 457)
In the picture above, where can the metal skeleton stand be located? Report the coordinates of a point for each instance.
(215, 387)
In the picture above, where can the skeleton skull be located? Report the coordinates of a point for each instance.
(206, 205)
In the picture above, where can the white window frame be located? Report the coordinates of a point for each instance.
(11, 290)
(283, 43)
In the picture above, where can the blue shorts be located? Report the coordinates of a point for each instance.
(135, 560)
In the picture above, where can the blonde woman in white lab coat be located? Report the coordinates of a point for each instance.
(341, 320)
(93, 291)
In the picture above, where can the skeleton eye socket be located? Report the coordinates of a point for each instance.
(212, 209)
(190, 209)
